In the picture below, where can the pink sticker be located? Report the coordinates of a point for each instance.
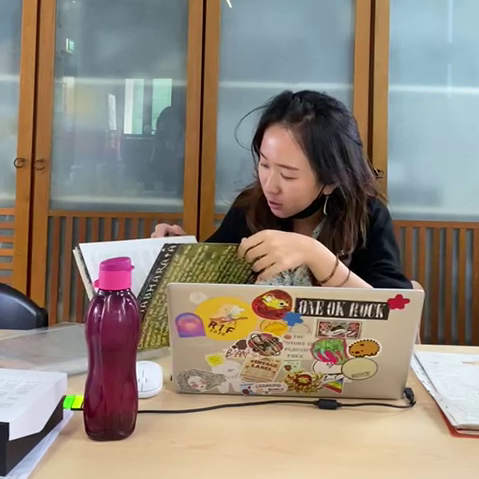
(398, 302)
(189, 325)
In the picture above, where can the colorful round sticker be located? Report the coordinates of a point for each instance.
(359, 369)
(226, 318)
(274, 304)
(265, 344)
(331, 351)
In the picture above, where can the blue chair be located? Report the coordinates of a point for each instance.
(17, 311)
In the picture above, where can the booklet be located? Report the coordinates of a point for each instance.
(142, 252)
(158, 262)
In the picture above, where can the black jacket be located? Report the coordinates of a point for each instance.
(377, 263)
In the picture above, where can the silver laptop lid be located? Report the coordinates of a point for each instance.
(306, 341)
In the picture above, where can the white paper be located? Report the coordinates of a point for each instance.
(26, 466)
(142, 252)
(422, 376)
(454, 383)
(27, 399)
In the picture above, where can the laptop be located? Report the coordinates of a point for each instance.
(292, 341)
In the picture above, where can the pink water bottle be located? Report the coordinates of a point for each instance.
(112, 334)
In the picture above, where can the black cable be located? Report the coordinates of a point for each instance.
(328, 404)
(225, 406)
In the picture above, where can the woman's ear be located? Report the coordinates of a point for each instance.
(328, 189)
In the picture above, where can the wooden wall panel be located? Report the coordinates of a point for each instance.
(447, 258)
(65, 294)
(7, 242)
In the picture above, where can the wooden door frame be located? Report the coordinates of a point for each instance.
(25, 127)
(44, 133)
(43, 148)
(361, 101)
(380, 88)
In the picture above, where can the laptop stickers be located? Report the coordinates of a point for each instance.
(277, 344)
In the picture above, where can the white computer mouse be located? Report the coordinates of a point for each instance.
(149, 376)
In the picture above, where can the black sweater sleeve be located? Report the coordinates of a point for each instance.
(233, 228)
(378, 263)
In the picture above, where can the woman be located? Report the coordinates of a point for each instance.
(314, 215)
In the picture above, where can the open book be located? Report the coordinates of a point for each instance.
(142, 252)
(453, 381)
(159, 262)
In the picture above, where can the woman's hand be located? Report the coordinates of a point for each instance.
(164, 229)
(271, 252)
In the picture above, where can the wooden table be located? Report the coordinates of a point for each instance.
(269, 442)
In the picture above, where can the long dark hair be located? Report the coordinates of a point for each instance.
(328, 134)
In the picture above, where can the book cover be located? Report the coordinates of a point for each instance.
(185, 263)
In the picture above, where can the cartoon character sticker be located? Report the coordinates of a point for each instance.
(274, 327)
(332, 376)
(273, 304)
(230, 370)
(364, 348)
(260, 370)
(238, 350)
(323, 368)
(265, 344)
(359, 369)
(339, 329)
(303, 382)
(198, 381)
(332, 351)
(226, 318)
(189, 325)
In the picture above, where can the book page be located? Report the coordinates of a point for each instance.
(456, 378)
(143, 253)
(199, 263)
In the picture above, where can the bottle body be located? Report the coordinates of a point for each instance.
(111, 390)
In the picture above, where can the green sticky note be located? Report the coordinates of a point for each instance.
(67, 403)
(77, 402)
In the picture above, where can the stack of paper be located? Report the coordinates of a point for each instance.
(453, 381)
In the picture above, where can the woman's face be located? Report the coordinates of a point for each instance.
(197, 383)
(287, 179)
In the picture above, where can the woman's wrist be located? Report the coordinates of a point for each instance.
(322, 262)
(328, 270)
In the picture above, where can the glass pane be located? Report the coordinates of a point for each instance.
(120, 102)
(268, 46)
(10, 41)
(433, 104)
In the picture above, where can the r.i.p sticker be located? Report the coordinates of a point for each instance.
(226, 318)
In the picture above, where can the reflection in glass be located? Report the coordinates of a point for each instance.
(268, 46)
(433, 104)
(120, 100)
(10, 40)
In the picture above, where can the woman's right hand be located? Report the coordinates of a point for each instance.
(164, 229)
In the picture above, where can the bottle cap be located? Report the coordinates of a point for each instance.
(115, 274)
